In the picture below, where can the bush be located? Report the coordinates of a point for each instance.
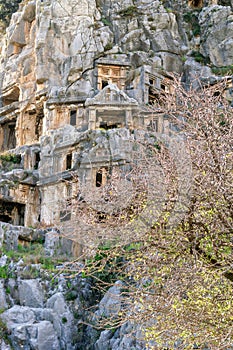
(7, 8)
(129, 11)
(10, 158)
(105, 21)
(225, 70)
(192, 19)
(200, 58)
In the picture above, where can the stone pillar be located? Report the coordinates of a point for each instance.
(128, 119)
(92, 119)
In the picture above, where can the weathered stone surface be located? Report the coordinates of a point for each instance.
(37, 328)
(3, 302)
(31, 293)
(4, 346)
(11, 239)
(110, 305)
(52, 243)
(195, 72)
(10, 235)
(43, 337)
(18, 315)
(62, 319)
(125, 337)
(75, 81)
(3, 260)
(217, 32)
(59, 62)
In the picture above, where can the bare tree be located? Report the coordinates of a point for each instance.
(164, 226)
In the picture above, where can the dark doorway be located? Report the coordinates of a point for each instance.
(69, 161)
(107, 126)
(12, 213)
(104, 83)
(36, 160)
(99, 178)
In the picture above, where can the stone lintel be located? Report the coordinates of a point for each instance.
(7, 110)
(54, 179)
(112, 62)
(66, 100)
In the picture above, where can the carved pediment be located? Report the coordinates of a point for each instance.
(111, 95)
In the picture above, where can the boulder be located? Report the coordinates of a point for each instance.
(31, 293)
(111, 303)
(216, 32)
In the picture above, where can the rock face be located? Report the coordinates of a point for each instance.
(217, 31)
(40, 321)
(40, 328)
(79, 80)
(71, 67)
(40, 314)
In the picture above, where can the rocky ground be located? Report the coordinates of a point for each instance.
(46, 303)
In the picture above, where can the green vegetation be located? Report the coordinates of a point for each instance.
(105, 21)
(200, 58)
(29, 272)
(31, 254)
(168, 9)
(225, 70)
(178, 272)
(4, 272)
(10, 158)
(108, 47)
(129, 11)
(64, 320)
(7, 8)
(192, 19)
(104, 267)
(4, 331)
(71, 295)
(183, 58)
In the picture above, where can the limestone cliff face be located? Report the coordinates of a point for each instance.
(95, 64)
(53, 45)
(217, 35)
(76, 79)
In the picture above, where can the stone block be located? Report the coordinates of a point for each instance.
(31, 293)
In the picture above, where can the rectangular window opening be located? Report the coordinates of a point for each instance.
(104, 83)
(69, 161)
(151, 81)
(36, 160)
(102, 176)
(65, 215)
(154, 125)
(106, 126)
(12, 213)
(73, 117)
(163, 87)
(39, 125)
(101, 217)
(99, 178)
(152, 96)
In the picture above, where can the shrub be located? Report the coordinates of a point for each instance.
(10, 158)
(225, 70)
(192, 19)
(129, 11)
(105, 21)
(200, 58)
(7, 8)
